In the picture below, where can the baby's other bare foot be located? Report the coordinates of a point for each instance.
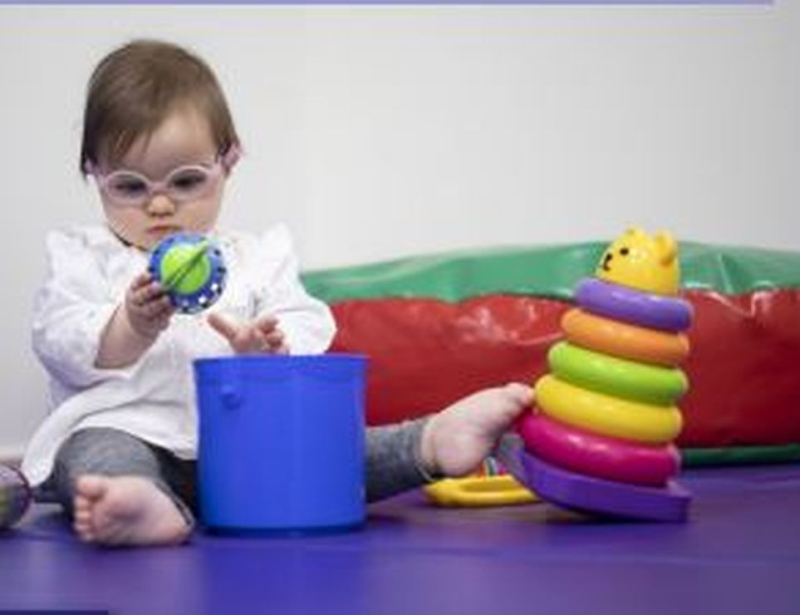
(126, 510)
(457, 440)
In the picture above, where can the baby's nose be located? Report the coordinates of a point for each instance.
(160, 205)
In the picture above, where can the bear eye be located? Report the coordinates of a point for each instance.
(624, 251)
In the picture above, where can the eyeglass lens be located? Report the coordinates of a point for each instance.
(181, 185)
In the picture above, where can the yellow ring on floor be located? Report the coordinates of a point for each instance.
(606, 415)
(624, 340)
(478, 491)
(650, 384)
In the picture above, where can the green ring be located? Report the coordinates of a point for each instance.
(617, 377)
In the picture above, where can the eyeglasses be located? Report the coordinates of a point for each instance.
(185, 183)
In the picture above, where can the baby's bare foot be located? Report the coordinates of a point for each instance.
(455, 441)
(126, 510)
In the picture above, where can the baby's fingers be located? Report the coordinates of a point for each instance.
(266, 323)
(145, 295)
(242, 338)
(276, 341)
(224, 326)
(159, 308)
(140, 281)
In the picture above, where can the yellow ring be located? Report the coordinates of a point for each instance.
(476, 491)
(624, 340)
(606, 415)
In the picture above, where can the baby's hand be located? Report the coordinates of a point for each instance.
(260, 336)
(147, 306)
(455, 441)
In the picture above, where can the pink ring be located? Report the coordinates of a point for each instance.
(595, 455)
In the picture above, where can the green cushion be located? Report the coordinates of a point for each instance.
(545, 271)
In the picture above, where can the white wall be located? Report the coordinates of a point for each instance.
(378, 132)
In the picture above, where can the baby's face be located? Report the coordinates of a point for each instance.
(155, 200)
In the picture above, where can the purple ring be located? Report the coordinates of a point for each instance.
(588, 494)
(633, 306)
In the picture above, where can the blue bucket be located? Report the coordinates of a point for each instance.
(281, 443)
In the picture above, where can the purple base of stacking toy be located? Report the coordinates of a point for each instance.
(588, 494)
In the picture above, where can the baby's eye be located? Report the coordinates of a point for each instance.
(128, 186)
(624, 251)
(188, 180)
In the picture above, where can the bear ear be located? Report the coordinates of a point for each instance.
(666, 246)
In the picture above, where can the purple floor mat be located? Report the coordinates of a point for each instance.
(739, 552)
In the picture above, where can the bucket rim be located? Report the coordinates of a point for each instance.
(332, 357)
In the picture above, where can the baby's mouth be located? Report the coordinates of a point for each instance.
(163, 229)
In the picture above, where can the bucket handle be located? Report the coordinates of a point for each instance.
(231, 396)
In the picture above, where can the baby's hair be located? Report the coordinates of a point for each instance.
(133, 90)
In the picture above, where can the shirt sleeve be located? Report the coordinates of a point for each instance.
(306, 321)
(71, 309)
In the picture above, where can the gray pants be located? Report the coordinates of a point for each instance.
(110, 452)
(390, 464)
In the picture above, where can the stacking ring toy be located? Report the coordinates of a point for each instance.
(190, 268)
(606, 415)
(623, 340)
(600, 439)
(606, 374)
(632, 306)
(587, 453)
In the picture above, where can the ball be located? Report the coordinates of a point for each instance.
(191, 270)
(15, 496)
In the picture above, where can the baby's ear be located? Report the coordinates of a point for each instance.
(231, 157)
(89, 167)
(666, 246)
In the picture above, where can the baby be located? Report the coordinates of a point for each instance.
(119, 445)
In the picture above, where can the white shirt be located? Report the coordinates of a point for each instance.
(88, 271)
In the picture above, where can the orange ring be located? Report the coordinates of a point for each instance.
(624, 340)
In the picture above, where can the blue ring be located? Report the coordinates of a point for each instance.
(206, 295)
(633, 306)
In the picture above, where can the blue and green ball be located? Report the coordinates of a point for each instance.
(15, 496)
(191, 269)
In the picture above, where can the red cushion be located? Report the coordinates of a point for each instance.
(744, 365)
